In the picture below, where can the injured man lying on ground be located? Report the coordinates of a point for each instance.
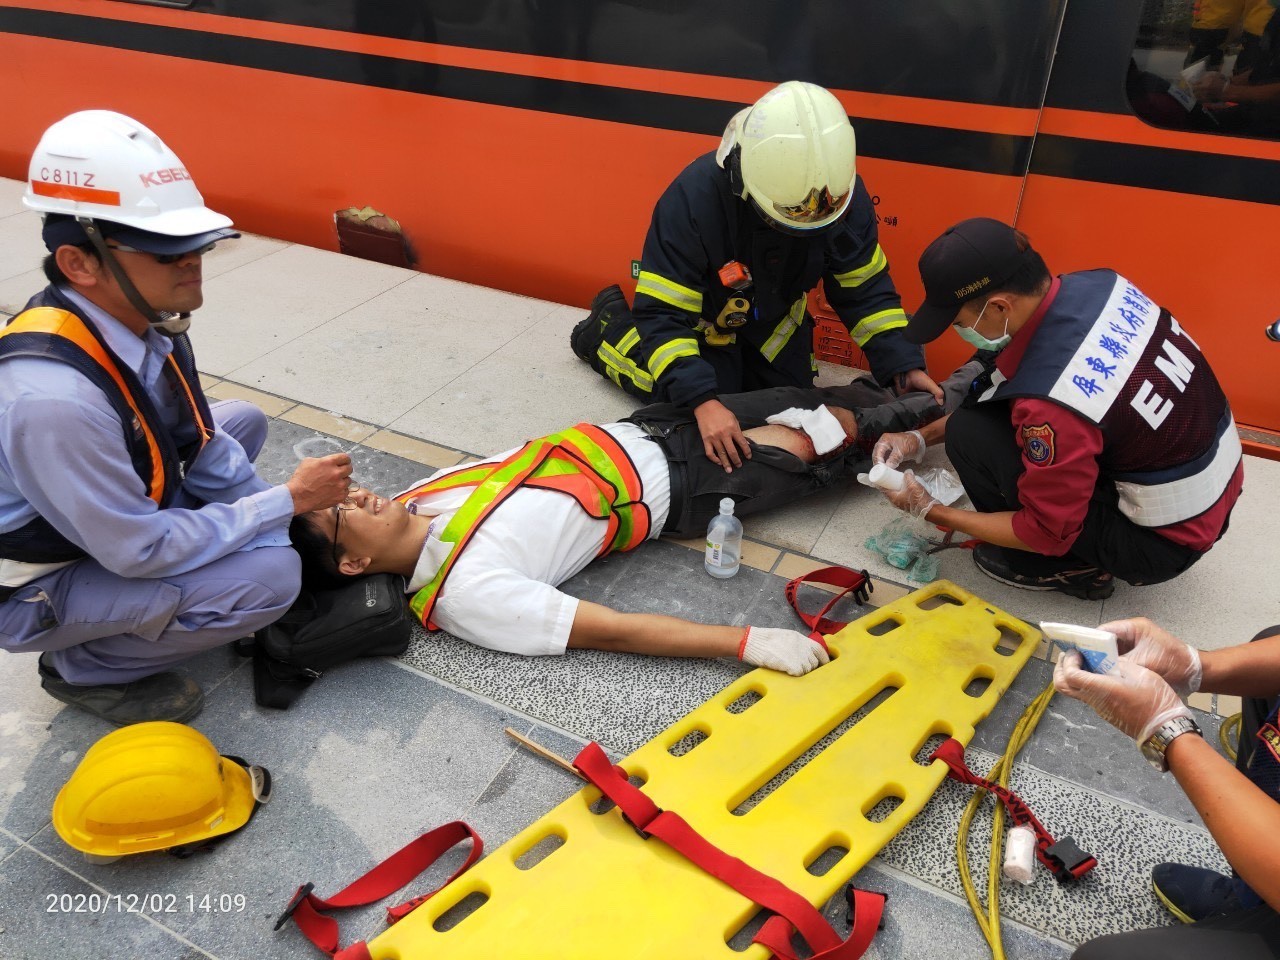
(485, 545)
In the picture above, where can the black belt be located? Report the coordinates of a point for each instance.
(675, 513)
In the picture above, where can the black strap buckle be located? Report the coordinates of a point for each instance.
(863, 593)
(1069, 861)
(302, 894)
(640, 831)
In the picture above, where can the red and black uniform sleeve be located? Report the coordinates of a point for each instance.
(1060, 451)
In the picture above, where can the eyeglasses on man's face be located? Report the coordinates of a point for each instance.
(338, 511)
(165, 258)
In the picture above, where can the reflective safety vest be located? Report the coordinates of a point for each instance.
(54, 333)
(584, 462)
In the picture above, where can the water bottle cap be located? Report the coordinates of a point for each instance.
(726, 506)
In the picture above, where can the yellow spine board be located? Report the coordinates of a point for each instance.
(606, 892)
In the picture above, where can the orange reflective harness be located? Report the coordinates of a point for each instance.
(56, 334)
(584, 462)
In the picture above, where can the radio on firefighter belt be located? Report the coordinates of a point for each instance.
(736, 311)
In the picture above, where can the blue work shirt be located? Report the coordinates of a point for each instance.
(63, 456)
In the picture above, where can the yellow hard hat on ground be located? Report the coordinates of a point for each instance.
(155, 786)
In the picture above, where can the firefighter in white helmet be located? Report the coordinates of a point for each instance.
(134, 532)
(736, 243)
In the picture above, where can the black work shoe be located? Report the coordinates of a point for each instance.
(1073, 578)
(1193, 894)
(161, 696)
(586, 335)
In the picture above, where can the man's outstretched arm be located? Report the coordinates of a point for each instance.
(1243, 819)
(600, 628)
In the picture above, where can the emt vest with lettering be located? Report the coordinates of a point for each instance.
(1109, 354)
(584, 462)
(53, 328)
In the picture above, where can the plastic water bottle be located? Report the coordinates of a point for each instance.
(724, 542)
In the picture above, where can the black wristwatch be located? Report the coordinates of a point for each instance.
(1156, 746)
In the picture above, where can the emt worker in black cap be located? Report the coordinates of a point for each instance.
(134, 532)
(1098, 443)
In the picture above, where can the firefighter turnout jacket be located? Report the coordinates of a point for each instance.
(698, 227)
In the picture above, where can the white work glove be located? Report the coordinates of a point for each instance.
(821, 425)
(1131, 698)
(785, 650)
(894, 449)
(1155, 648)
(914, 497)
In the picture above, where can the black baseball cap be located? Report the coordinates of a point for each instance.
(974, 255)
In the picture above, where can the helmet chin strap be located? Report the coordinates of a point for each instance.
(170, 324)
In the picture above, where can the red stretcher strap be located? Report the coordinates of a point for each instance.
(793, 911)
(380, 882)
(857, 582)
(1062, 857)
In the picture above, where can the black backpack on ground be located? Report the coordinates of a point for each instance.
(323, 628)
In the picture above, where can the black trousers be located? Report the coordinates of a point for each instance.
(773, 477)
(1245, 935)
(982, 447)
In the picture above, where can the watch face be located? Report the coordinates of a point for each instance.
(1155, 746)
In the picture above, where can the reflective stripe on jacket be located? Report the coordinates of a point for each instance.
(698, 226)
(1108, 353)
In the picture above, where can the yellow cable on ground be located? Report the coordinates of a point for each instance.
(989, 917)
(1230, 726)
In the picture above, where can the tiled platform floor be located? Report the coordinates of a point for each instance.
(412, 372)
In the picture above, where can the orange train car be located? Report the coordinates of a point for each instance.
(521, 144)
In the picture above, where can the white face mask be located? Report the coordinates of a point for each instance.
(977, 340)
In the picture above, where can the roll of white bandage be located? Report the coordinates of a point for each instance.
(886, 478)
(1020, 854)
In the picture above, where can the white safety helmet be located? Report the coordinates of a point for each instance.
(107, 167)
(793, 155)
(99, 174)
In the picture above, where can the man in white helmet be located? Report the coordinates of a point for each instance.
(736, 243)
(134, 532)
